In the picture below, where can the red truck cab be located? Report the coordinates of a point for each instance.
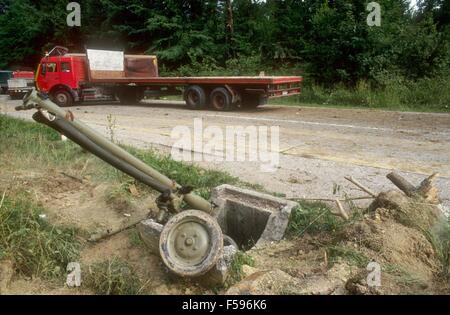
(61, 77)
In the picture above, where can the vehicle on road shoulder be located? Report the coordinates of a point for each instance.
(112, 75)
(20, 83)
(5, 75)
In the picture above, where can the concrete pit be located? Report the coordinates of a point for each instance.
(251, 218)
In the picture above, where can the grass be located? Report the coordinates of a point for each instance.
(236, 267)
(427, 95)
(188, 174)
(352, 256)
(403, 277)
(440, 239)
(26, 143)
(113, 277)
(135, 238)
(35, 247)
(313, 218)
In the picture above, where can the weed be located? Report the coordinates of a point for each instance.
(135, 239)
(439, 237)
(427, 94)
(350, 255)
(39, 146)
(111, 127)
(314, 218)
(113, 277)
(403, 277)
(118, 195)
(36, 247)
(236, 272)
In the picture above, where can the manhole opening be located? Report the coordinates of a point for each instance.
(243, 223)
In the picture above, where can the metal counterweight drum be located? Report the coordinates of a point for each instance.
(191, 242)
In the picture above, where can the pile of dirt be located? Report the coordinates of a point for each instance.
(394, 232)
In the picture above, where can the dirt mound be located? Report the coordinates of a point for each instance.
(384, 240)
(395, 232)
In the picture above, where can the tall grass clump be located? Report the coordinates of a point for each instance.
(113, 277)
(35, 247)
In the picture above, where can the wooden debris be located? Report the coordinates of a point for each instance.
(426, 189)
(360, 186)
(330, 199)
(134, 191)
(342, 211)
(402, 184)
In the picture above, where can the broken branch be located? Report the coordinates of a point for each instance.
(342, 211)
(329, 199)
(402, 184)
(360, 186)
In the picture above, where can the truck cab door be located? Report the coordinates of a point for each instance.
(48, 76)
(66, 76)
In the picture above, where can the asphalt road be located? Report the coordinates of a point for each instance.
(317, 146)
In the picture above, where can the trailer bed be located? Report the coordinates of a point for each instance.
(252, 80)
(272, 86)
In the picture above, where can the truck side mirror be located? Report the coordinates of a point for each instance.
(43, 69)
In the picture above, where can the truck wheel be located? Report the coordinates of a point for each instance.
(62, 98)
(191, 242)
(221, 99)
(195, 97)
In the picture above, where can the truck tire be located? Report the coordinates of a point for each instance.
(221, 99)
(62, 98)
(195, 97)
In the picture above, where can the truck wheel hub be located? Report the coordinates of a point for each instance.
(193, 97)
(61, 98)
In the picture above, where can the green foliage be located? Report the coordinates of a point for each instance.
(329, 42)
(27, 141)
(35, 247)
(135, 238)
(426, 94)
(23, 142)
(236, 272)
(113, 277)
(313, 218)
(185, 174)
(439, 237)
(352, 256)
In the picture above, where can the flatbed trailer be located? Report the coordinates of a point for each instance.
(110, 75)
(20, 83)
